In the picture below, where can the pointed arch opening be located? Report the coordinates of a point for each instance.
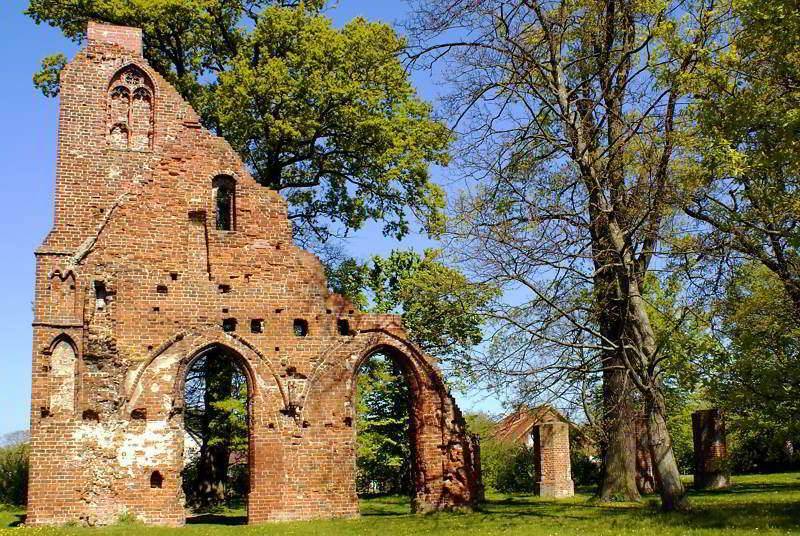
(217, 393)
(384, 401)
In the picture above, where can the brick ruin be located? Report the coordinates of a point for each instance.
(552, 460)
(546, 431)
(711, 469)
(164, 249)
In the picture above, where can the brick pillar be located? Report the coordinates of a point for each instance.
(710, 450)
(551, 457)
(645, 474)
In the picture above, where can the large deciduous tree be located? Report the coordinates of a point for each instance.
(744, 191)
(570, 114)
(325, 115)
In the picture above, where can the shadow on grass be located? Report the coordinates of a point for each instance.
(20, 520)
(216, 519)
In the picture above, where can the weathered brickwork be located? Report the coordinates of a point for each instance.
(646, 481)
(142, 273)
(551, 460)
(711, 469)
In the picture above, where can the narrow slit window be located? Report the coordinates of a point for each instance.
(224, 190)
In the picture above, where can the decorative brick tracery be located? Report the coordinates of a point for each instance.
(130, 109)
(138, 277)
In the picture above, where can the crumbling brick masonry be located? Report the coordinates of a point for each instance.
(711, 469)
(164, 247)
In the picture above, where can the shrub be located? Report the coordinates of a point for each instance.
(14, 474)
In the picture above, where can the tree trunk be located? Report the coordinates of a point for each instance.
(619, 447)
(673, 494)
(215, 448)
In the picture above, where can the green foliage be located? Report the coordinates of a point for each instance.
(439, 306)
(743, 189)
(46, 80)
(757, 380)
(329, 116)
(507, 467)
(14, 474)
(383, 446)
(326, 115)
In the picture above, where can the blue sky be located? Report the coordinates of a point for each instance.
(27, 155)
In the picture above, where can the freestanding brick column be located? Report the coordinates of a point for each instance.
(710, 450)
(551, 457)
(645, 476)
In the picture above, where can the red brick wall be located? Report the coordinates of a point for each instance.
(552, 460)
(137, 221)
(710, 450)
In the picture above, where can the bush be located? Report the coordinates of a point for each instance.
(14, 461)
(507, 467)
(585, 471)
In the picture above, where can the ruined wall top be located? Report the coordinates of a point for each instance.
(124, 36)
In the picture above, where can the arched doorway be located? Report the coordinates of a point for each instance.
(386, 458)
(217, 393)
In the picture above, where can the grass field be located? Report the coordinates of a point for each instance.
(757, 504)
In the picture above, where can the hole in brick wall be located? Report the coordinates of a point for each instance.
(257, 325)
(229, 324)
(139, 414)
(271, 426)
(156, 309)
(300, 327)
(291, 371)
(44, 412)
(90, 415)
(162, 289)
(278, 311)
(224, 193)
(348, 421)
(173, 276)
(224, 289)
(350, 312)
(100, 295)
(343, 326)
(225, 310)
(277, 348)
(156, 480)
(278, 245)
(45, 368)
(149, 347)
(328, 311)
(306, 424)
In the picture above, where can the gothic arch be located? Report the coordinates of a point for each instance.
(131, 103)
(63, 369)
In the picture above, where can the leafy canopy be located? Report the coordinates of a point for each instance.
(440, 307)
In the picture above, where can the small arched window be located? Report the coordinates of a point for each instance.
(224, 193)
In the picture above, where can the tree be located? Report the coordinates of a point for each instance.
(570, 115)
(216, 419)
(756, 379)
(441, 309)
(744, 189)
(327, 116)
(383, 446)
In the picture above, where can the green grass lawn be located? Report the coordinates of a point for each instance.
(756, 504)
